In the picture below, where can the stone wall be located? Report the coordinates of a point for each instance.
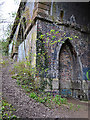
(28, 46)
(68, 60)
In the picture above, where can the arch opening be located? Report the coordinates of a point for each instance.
(68, 67)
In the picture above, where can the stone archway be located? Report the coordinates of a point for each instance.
(68, 68)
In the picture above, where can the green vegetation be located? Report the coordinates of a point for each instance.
(5, 41)
(51, 101)
(71, 106)
(33, 91)
(4, 63)
(7, 110)
(48, 99)
(32, 79)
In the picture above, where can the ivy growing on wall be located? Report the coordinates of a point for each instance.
(43, 63)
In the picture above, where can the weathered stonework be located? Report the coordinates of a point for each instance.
(69, 60)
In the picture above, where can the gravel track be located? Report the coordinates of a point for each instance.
(25, 106)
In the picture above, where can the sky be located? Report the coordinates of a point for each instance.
(7, 7)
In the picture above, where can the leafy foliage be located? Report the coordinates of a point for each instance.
(7, 110)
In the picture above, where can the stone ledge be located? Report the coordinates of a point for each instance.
(37, 16)
(45, 3)
(42, 6)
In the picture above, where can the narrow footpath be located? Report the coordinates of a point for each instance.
(27, 107)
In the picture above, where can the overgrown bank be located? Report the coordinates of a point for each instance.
(27, 81)
(26, 107)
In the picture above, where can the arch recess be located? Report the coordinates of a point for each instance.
(68, 66)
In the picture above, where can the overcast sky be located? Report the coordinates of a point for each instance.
(7, 7)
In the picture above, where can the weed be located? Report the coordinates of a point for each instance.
(14, 77)
(71, 106)
(4, 63)
(33, 95)
(7, 110)
(77, 108)
(12, 72)
(58, 100)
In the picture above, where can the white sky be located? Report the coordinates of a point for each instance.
(6, 9)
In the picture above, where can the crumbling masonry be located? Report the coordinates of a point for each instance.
(69, 60)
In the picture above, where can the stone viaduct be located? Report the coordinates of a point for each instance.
(69, 60)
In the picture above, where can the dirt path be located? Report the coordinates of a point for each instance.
(29, 108)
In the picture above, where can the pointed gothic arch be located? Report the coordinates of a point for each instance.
(68, 66)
